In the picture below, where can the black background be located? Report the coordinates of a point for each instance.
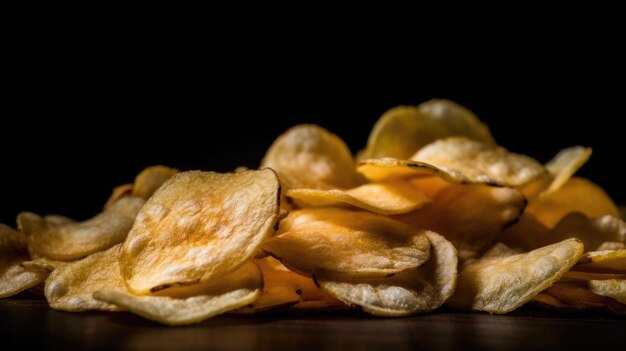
(82, 106)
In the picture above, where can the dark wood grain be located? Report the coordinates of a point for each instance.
(28, 323)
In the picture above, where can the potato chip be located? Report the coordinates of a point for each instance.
(576, 195)
(150, 179)
(391, 197)
(501, 250)
(611, 245)
(199, 226)
(574, 298)
(475, 162)
(42, 264)
(309, 156)
(614, 288)
(195, 303)
(563, 166)
(410, 292)
(70, 286)
(428, 185)
(502, 284)
(59, 238)
(610, 261)
(403, 130)
(13, 277)
(119, 192)
(470, 216)
(386, 168)
(350, 242)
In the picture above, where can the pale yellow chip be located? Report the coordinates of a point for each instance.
(309, 156)
(576, 195)
(470, 216)
(150, 179)
(410, 292)
(13, 277)
(119, 192)
(475, 162)
(502, 284)
(391, 197)
(199, 226)
(59, 238)
(563, 166)
(576, 298)
(350, 242)
(403, 130)
(614, 288)
(192, 304)
(609, 261)
(70, 286)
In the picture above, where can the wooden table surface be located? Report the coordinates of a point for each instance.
(28, 323)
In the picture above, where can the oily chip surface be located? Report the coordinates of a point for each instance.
(199, 226)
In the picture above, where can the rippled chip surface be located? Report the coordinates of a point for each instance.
(410, 292)
(13, 277)
(60, 238)
(198, 226)
(351, 242)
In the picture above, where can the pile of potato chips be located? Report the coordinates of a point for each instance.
(431, 213)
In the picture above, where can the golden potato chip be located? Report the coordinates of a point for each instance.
(59, 238)
(350, 242)
(611, 245)
(42, 264)
(614, 288)
(502, 284)
(194, 303)
(199, 226)
(470, 216)
(391, 197)
(150, 179)
(386, 168)
(609, 261)
(309, 156)
(119, 192)
(410, 292)
(70, 286)
(403, 130)
(428, 185)
(13, 277)
(576, 298)
(475, 162)
(563, 166)
(576, 195)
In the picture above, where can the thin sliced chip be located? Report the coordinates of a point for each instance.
(309, 156)
(58, 238)
(199, 226)
(42, 264)
(575, 298)
(13, 277)
(410, 292)
(611, 245)
(195, 303)
(387, 168)
(70, 286)
(150, 179)
(476, 162)
(609, 261)
(470, 216)
(502, 284)
(119, 192)
(403, 130)
(587, 276)
(614, 288)
(392, 197)
(563, 166)
(576, 195)
(351, 242)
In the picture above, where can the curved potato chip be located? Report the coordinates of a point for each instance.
(577, 298)
(150, 179)
(70, 286)
(563, 166)
(613, 288)
(410, 292)
(576, 195)
(42, 264)
(119, 192)
(502, 284)
(351, 242)
(195, 303)
(403, 130)
(199, 226)
(392, 197)
(13, 277)
(59, 238)
(475, 162)
(470, 216)
(610, 261)
(309, 156)
(387, 168)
